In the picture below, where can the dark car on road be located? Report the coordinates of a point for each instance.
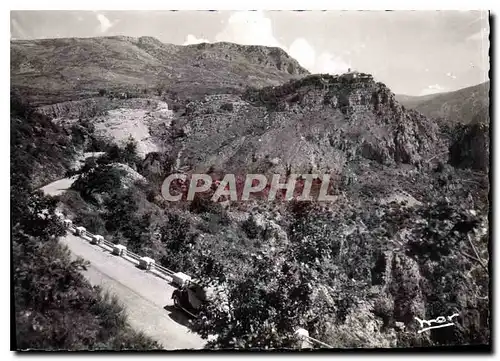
(189, 298)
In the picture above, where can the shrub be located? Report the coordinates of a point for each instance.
(229, 107)
(74, 201)
(250, 228)
(92, 221)
(126, 155)
(202, 203)
(97, 144)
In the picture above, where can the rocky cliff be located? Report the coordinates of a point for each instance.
(316, 123)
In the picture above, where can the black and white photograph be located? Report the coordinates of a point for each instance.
(250, 180)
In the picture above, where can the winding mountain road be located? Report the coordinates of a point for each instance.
(146, 297)
(58, 187)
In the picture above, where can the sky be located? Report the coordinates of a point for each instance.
(413, 52)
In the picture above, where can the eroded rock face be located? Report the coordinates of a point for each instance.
(121, 124)
(271, 57)
(71, 110)
(312, 124)
(89, 108)
(130, 176)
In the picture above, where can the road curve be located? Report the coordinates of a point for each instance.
(58, 187)
(146, 297)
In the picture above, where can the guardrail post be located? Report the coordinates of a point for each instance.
(146, 263)
(96, 239)
(68, 223)
(80, 231)
(119, 250)
(302, 338)
(180, 279)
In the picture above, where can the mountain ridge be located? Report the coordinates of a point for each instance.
(469, 104)
(75, 68)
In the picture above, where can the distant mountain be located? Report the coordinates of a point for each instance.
(55, 70)
(411, 101)
(462, 106)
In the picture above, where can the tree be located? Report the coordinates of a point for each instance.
(130, 156)
(94, 180)
(120, 208)
(138, 231)
(177, 239)
(263, 308)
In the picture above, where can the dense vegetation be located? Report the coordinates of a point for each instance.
(55, 308)
(354, 274)
(38, 144)
(351, 276)
(351, 289)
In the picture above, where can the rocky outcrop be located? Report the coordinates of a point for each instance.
(72, 110)
(319, 123)
(157, 165)
(269, 57)
(258, 225)
(89, 108)
(129, 177)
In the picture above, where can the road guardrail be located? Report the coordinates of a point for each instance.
(303, 338)
(103, 243)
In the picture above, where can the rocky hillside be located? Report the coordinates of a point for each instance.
(54, 70)
(317, 123)
(462, 106)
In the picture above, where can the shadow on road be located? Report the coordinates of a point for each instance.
(165, 278)
(156, 274)
(179, 316)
